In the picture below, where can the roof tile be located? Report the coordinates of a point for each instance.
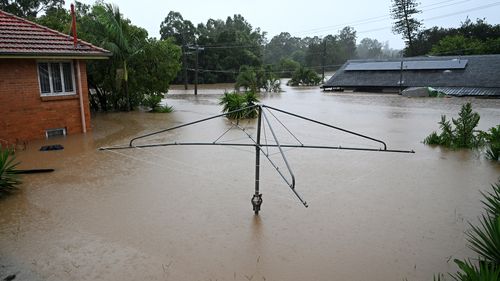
(22, 37)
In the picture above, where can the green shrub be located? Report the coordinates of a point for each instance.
(9, 179)
(235, 101)
(163, 109)
(493, 143)
(153, 101)
(463, 135)
(304, 77)
(256, 79)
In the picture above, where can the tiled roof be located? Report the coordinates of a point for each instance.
(20, 37)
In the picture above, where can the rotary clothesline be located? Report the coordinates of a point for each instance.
(262, 147)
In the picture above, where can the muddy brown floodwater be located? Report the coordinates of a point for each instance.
(184, 213)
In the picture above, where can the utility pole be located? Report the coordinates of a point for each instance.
(323, 60)
(401, 77)
(196, 73)
(184, 64)
(197, 51)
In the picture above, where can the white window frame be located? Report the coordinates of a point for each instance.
(52, 93)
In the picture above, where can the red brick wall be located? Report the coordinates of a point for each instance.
(25, 115)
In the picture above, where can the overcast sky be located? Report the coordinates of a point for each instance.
(308, 17)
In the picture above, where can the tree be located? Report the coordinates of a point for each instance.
(150, 64)
(458, 45)
(183, 33)
(403, 11)
(472, 38)
(118, 40)
(369, 48)
(56, 18)
(229, 45)
(154, 67)
(284, 46)
(347, 43)
(287, 66)
(29, 8)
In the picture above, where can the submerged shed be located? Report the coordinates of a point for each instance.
(477, 75)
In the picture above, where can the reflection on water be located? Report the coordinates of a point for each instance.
(184, 213)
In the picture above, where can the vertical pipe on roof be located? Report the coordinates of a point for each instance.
(73, 26)
(80, 91)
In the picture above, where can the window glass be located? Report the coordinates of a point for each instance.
(56, 77)
(68, 78)
(43, 73)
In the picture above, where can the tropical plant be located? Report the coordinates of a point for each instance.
(491, 201)
(150, 64)
(9, 179)
(247, 79)
(471, 272)
(485, 239)
(253, 79)
(119, 41)
(463, 135)
(304, 77)
(493, 143)
(152, 101)
(234, 103)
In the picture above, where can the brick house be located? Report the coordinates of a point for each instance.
(43, 81)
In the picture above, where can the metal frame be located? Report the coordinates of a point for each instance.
(259, 146)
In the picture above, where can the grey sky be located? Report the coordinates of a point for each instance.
(308, 17)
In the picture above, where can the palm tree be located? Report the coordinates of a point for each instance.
(118, 40)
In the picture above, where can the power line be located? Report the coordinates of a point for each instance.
(373, 20)
(378, 18)
(439, 17)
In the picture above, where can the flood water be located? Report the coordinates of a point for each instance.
(184, 212)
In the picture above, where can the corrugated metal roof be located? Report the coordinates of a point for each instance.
(462, 91)
(20, 37)
(407, 65)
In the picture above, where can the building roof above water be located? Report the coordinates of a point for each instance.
(480, 71)
(22, 38)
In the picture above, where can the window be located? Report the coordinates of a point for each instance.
(56, 78)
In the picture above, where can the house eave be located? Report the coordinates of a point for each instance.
(14, 55)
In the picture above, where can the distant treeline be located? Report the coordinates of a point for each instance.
(220, 48)
(471, 38)
(226, 46)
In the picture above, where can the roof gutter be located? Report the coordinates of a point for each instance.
(53, 56)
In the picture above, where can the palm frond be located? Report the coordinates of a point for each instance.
(485, 239)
